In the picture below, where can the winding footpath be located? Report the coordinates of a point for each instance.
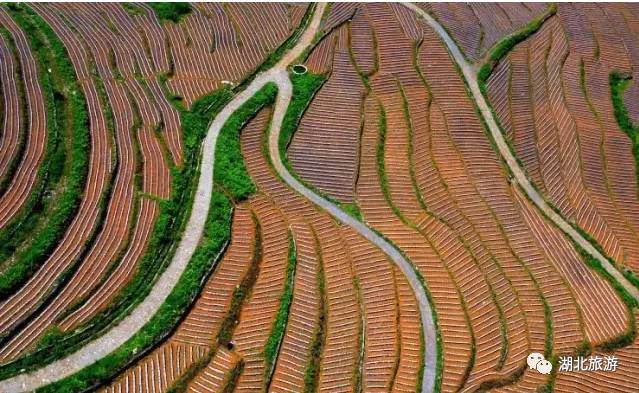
(469, 72)
(129, 326)
(429, 332)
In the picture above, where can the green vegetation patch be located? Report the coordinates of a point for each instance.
(212, 245)
(170, 11)
(305, 86)
(618, 84)
(230, 170)
(133, 9)
(502, 47)
(312, 370)
(66, 114)
(272, 347)
(233, 377)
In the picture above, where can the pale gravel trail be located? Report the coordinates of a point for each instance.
(285, 90)
(469, 72)
(118, 335)
(129, 326)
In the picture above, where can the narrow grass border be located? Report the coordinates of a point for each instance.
(313, 367)
(274, 341)
(48, 47)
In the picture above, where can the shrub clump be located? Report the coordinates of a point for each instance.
(169, 11)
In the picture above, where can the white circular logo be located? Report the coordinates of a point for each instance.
(538, 362)
(533, 359)
(544, 367)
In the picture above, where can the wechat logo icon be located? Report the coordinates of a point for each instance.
(537, 362)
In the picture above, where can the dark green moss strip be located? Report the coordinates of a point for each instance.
(274, 342)
(312, 370)
(233, 377)
(66, 110)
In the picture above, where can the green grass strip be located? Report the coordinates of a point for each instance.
(66, 109)
(230, 170)
(233, 377)
(305, 86)
(312, 370)
(618, 84)
(274, 342)
(167, 230)
(217, 234)
(505, 45)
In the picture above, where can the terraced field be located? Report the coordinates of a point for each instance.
(301, 197)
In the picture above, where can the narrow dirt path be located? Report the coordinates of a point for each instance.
(469, 72)
(285, 90)
(129, 326)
